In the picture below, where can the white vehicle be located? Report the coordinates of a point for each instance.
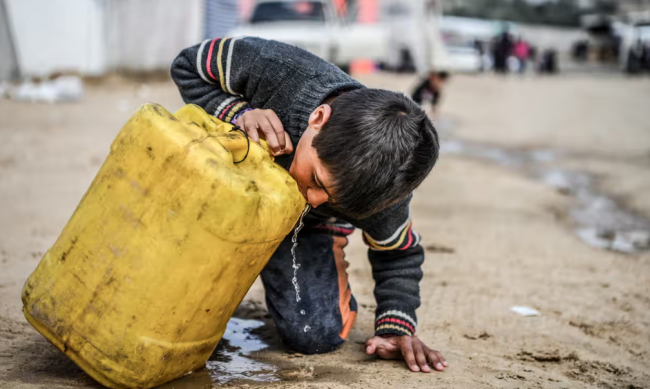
(316, 26)
(421, 39)
(465, 59)
(462, 35)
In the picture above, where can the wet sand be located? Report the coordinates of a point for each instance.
(496, 236)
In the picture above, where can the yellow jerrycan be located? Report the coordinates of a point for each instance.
(171, 234)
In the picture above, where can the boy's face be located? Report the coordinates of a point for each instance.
(438, 79)
(313, 178)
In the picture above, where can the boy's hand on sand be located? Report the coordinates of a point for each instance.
(265, 124)
(416, 354)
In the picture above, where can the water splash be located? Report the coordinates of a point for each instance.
(294, 240)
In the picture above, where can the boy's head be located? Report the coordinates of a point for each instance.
(365, 152)
(438, 79)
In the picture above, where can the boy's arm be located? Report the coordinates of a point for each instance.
(215, 74)
(396, 258)
(397, 275)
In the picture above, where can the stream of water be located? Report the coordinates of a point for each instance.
(294, 240)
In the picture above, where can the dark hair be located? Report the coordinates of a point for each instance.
(443, 75)
(378, 146)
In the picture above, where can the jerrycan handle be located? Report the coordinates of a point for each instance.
(248, 143)
(238, 146)
(192, 113)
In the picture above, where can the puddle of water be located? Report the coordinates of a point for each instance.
(600, 221)
(294, 240)
(499, 156)
(233, 363)
(232, 358)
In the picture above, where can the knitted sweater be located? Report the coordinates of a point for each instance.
(227, 75)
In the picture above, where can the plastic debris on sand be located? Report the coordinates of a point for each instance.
(525, 311)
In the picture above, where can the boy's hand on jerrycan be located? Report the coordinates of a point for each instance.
(265, 123)
(417, 355)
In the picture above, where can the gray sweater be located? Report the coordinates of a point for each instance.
(225, 76)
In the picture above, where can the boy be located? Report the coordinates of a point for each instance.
(359, 154)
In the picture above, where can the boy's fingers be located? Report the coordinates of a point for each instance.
(288, 149)
(275, 122)
(441, 358)
(269, 134)
(371, 345)
(407, 353)
(421, 358)
(279, 135)
(435, 360)
(250, 130)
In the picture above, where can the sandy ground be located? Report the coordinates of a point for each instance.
(495, 238)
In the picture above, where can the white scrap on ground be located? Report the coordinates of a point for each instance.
(525, 311)
(66, 88)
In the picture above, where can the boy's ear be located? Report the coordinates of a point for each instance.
(320, 116)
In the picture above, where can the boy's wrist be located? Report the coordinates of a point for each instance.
(239, 114)
(395, 323)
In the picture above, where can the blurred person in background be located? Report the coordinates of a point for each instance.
(480, 49)
(502, 47)
(532, 55)
(633, 61)
(548, 63)
(521, 51)
(359, 154)
(580, 50)
(637, 58)
(646, 56)
(430, 89)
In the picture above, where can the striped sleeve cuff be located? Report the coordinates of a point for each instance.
(214, 65)
(395, 322)
(403, 238)
(229, 108)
